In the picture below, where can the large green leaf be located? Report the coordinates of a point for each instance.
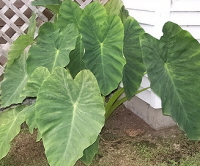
(53, 5)
(76, 63)
(30, 117)
(173, 65)
(114, 7)
(123, 14)
(90, 152)
(35, 81)
(70, 13)
(32, 26)
(70, 115)
(103, 50)
(52, 48)
(18, 46)
(134, 68)
(10, 124)
(97, 10)
(15, 79)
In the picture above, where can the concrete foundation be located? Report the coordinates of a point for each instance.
(153, 117)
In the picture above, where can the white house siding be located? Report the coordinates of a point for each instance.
(186, 13)
(153, 14)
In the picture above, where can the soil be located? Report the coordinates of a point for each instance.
(126, 140)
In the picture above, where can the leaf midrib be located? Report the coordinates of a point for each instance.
(55, 60)
(72, 121)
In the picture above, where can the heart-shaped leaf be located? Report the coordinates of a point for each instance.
(97, 10)
(52, 47)
(173, 65)
(32, 26)
(124, 14)
(90, 152)
(70, 13)
(30, 117)
(134, 68)
(70, 115)
(76, 63)
(53, 5)
(113, 7)
(35, 81)
(10, 124)
(104, 50)
(14, 81)
(18, 46)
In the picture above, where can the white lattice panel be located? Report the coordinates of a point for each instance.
(14, 21)
(19, 15)
(86, 2)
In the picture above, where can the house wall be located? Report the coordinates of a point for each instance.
(152, 15)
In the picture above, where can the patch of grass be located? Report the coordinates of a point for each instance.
(166, 151)
(170, 149)
(5, 162)
(188, 161)
(144, 149)
(25, 151)
(191, 161)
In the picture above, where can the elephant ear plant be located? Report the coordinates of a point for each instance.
(77, 62)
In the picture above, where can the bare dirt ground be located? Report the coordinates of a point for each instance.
(126, 140)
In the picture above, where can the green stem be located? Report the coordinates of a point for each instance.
(139, 91)
(113, 98)
(116, 103)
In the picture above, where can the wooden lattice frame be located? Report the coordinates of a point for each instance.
(7, 23)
